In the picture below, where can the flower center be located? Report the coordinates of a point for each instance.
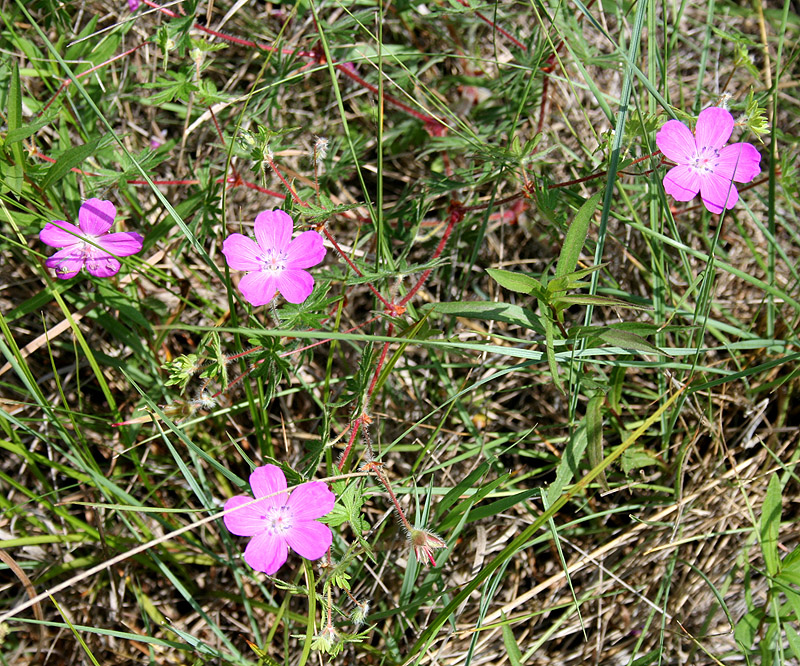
(278, 519)
(705, 161)
(273, 261)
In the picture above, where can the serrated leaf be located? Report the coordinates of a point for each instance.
(576, 237)
(69, 159)
(770, 525)
(517, 282)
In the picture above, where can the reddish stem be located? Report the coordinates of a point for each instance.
(66, 82)
(456, 215)
(494, 26)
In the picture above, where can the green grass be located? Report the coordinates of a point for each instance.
(587, 389)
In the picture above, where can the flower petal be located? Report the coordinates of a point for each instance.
(740, 162)
(714, 127)
(248, 520)
(102, 265)
(274, 230)
(269, 479)
(242, 253)
(122, 244)
(266, 552)
(96, 216)
(718, 193)
(310, 539)
(676, 142)
(60, 234)
(295, 285)
(68, 262)
(682, 183)
(258, 287)
(311, 500)
(305, 251)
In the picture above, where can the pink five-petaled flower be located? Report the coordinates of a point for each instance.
(279, 520)
(703, 164)
(274, 261)
(89, 244)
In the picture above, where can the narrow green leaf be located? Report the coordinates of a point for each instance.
(746, 628)
(794, 641)
(568, 467)
(594, 435)
(510, 641)
(14, 119)
(490, 311)
(550, 339)
(576, 237)
(519, 282)
(589, 299)
(617, 382)
(628, 340)
(69, 159)
(770, 525)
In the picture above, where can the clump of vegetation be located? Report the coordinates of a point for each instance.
(398, 333)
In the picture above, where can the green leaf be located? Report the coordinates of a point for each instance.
(637, 458)
(591, 299)
(794, 641)
(745, 632)
(628, 340)
(550, 339)
(614, 396)
(568, 467)
(770, 525)
(69, 159)
(489, 311)
(509, 640)
(576, 237)
(594, 435)
(518, 282)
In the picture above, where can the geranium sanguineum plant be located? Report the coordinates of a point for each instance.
(274, 261)
(704, 163)
(89, 244)
(278, 520)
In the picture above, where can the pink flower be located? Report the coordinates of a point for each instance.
(133, 5)
(89, 244)
(275, 262)
(703, 164)
(424, 543)
(277, 521)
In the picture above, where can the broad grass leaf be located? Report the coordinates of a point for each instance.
(576, 237)
(770, 525)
